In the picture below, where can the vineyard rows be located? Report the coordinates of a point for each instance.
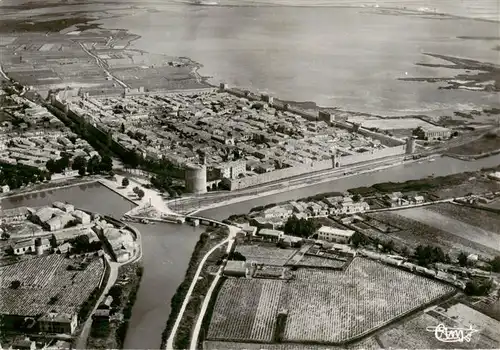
(64, 291)
(265, 317)
(33, 273)
(323, 305)
(235, 309)
(334, 306)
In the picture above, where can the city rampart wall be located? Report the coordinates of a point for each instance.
(282, 174)
(371, 155)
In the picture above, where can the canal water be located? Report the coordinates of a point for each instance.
(167, 248)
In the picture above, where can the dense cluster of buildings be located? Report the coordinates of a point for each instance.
(54, 227)
(276, 216)
(31, 135)
(221, 125)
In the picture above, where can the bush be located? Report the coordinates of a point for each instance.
(125, 182)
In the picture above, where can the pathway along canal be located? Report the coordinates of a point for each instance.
(167, 248)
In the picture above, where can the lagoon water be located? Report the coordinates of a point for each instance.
(335, 56)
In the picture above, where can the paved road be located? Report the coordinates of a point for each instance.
(170, 340)
(206, 301)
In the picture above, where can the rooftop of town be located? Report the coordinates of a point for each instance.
(217, 123)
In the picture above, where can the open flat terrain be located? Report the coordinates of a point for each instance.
(482, 219)
(454, 226)
(268, 255)
(412, 230)
(323, 306)
(413, 333)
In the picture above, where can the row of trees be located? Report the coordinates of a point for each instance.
(138, 191)
(17, 175)
(95, 165)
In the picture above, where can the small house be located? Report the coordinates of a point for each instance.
(23, 247)
(58, 323)
(64, 248)
(332, 234)
(24, 344)
(236, 268)
(270, 235)
(418, 199)
(4, 188)
(472, 259)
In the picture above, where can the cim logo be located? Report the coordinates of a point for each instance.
(452, 335)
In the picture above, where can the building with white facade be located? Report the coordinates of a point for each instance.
(332, 234)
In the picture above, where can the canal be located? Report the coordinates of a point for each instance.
(167, 248)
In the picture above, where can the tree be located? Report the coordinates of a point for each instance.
(140, 193)
(358, 239)
(478, 287)
(125, 182)
(79, 163)
(300, 227)
(122, 128)
(81, 171)
(388, 247)
(462, 259)
(495, 264)
(426, 255)
(15, 284)
(93, 165)
(237, 256)
(106, 164)
(356, 198)
(136, 189)
(51, 166)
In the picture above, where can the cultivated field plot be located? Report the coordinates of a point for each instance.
(324, 306)
(483, 219)
(333, 306)
(246, 310)
(366, 344)
(309, 260)
(268, 255)
(414, 233)
(474, 233)
(413, 333)
(46, 284)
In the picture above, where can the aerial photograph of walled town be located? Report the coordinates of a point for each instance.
(261, 175)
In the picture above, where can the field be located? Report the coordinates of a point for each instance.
(309, 260)
(483, 219)
(246, 310)
(266, 254)
(323, 306)
(341, 305)
(484, 144)
(366, 344)
(47, 284)
(474, 233)
(413, 333)
(413, 233)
